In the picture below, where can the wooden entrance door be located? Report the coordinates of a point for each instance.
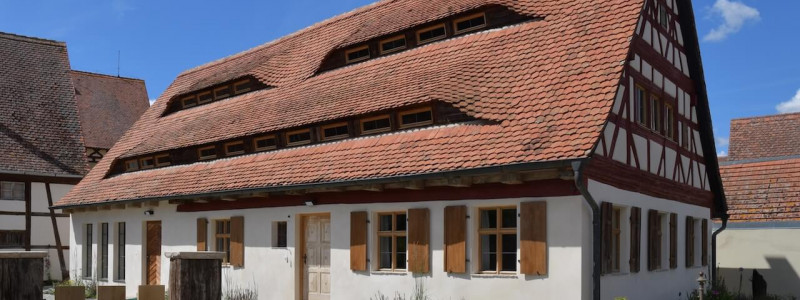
(317, 257)
(153, 259)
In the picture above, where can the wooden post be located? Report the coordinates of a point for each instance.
(195, 275)
(21, 275)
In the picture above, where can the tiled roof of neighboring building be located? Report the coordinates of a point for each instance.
(763, 191)
(766, 136)
(544, 86)
(39, 129)
(107, 106)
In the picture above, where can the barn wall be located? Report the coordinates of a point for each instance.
(774, 252)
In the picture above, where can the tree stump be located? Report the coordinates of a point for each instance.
(21, 275)
(195, 275)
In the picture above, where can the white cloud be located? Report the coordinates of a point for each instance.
(734, 16)
(723, 142)
(722, 153)
(793, 105)
(152, 101)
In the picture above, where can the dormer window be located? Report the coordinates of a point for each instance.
(470, 23)
(206, 153)
(430, 34)
(204, 97)
(393, 44)
(189, 101)
(298, 137)
(242, 87)
(131, 165)
(147, 162)
(416, 117)
(377, 124)
(222, 92)
(163, 160)
(234, 148)
(357, 54)
(335, 131)
(265, 143)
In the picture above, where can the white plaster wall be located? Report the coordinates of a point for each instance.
(661, 284)
(273, 269)
(774, 252)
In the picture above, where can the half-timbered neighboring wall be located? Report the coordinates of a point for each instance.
(652, 138)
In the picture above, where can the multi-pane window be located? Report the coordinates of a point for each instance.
(393, 44)
(376, 124)
(416, 117)
(12, 190)
(335, 131)
(279, 239)
(120, 251)
(209, 152)
(498, 239)
(299, 137)
(204, 97)
(131, 165)
(242, 86)
(234, 148)
(357, 54)
(265, 143)
(189, 101)
(222, 237)
(87, 252)
(392, 241)
(103, 250)
(222, 92)
(147, 162)
(470, 23)
(616, 232)
(655, 114)
(640, 102)
(431, 34)
(669, 121)
(163, 160)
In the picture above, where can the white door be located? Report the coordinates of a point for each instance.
(317, 269)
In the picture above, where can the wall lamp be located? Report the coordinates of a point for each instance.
(149, 212)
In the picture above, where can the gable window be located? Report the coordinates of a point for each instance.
(264, 143)
(640, 98)
(205, 153)
(298, 137)
(222, 92)
(416, 117)
(131, 165)
(430, 34)
(357, 54)
(189, 101)
(663, 17)
(87, 251)
(243, 86)
(392, 241)
(498, 239)
(204, 97)
(279, 236)
(469, 23)
(163, 160)
(669, 121)
(335, 131)
(234, 148)
(147, 162)
(222, 238)
(655, 116)
(376, 124)
(120, 249)
(393, 44)
(103, 251)
(12, 191)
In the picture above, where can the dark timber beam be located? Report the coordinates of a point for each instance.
(59, 248)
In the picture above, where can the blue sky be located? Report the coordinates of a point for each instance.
(749, 46)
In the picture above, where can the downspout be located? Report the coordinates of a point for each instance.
(714, 250)
(577, 167)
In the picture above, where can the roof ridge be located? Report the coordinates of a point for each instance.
(758, 160)
(31, 39)
(773, 116)
(105, 75)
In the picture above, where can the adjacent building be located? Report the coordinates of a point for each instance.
(485, 149)
(48, 116)
(762, 183)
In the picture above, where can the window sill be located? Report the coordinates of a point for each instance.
(490, 275)
(119, 281)
(389, 272)
(616, 274)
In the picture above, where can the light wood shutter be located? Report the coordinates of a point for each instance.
(202, 234)
(533, 238)
(653, 240)
(704, 236)
(455, 239)
(673, 241)
(636, 239)
(237, 241)
(606, 213)
(689, 241)
(358, 241)
(419, 240)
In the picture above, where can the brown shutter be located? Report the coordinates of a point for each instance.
(202, 234)
(673, 241)
(704, 234)
(653, 240)
(636, 239)
(689, 241)
(606, 213)
(455, 239)
(358, 241)
(533, 238)
(237, 241)
(419, 240)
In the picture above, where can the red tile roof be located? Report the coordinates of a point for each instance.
(548, 84)
(39, 129)
(763, 191)
(107, 106)
(766, 136)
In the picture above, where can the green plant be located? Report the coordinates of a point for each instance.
(234, 291)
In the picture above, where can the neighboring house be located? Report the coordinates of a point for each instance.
(42, 131)
(762, 183)
(486, 149)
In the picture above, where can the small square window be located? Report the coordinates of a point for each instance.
(279, 234)
(497, 239)
(204, 98)
(393, 44)
(377, 124)
(430, 34)
(298, 137)
(222, 92)
(189, 101)
(206, 153)
(12, 191)
(131, 165)
(163, 160)
(335, 131)
(357, 54)
(243, 86)
(147, 162)
(264, 143)
(234, 148)
(392, 241)
(469, 23)
(417, 117)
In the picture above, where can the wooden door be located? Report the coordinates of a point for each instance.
(153, 258)
(317, 257)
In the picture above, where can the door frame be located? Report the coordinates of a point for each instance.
(300, 236)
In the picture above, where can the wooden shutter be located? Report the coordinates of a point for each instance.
(237, 241)
(653, 240)
(606, 214)
(202, 234)
(689, 241)
(455, 239)
(673, 241)
(636, 239)
(533, 238)
(419, 240)
(358, 241)
(704, 234)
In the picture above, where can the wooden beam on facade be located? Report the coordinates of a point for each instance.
(414, 185)
(152, 203)
(460, 181)
(59, 247)
(511, 178)
(135, 204)
(119, 206)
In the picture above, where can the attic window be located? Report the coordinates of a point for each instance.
(298, 137)
(430, 34)
(357, 54)
(416, 117)
(234, 148)
(206, 153)
(242, 86)
(204, 97)
(163, 160)
(189, 101)
(470, 23)
(265, 143)
(147, 162)
(222, 92)
(393, 44)
(335, 131)
(377, 124)
(131, 165)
